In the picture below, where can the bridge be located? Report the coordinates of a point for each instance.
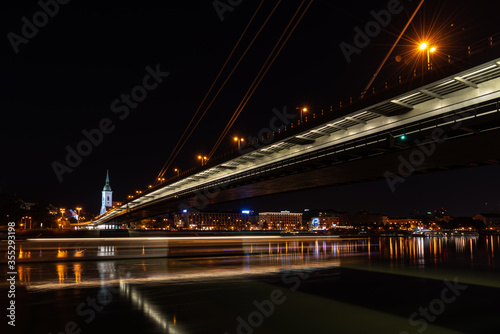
(442, 121)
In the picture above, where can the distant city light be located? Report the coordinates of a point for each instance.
(245, 212)
(185, 210)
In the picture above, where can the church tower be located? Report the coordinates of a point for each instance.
(107, 196)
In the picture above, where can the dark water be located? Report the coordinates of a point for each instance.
(303, 285)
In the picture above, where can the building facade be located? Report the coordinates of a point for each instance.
(489, 219)
(212, 221)
(324, 223)
(283, 220)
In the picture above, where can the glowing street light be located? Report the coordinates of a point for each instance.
(78, 209)
(239, 141)
(203, 159)
(177, 170)
(302, 111)
(425, 47)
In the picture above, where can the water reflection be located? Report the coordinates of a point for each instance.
(77, 270)
(107, 251)
(23, 255)
(62, 253)
(167, 323)
(258, 257)
(437, 249)
(24, 273)
(62, 272)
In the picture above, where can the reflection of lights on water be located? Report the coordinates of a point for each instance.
(62, 253)
(417, 247)
(107, 270)
(24, 273)
(23, 255)
(269, 266)
(149, 309)
(79, 253)
(62, 272)
(77, 269)
(106, 251)
(492, 247)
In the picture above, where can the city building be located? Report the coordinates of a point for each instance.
(324, 222)
(284, 220)
(212, 220)
(362, 218)
(403, 223)
(25, 205)
(52, 210)
(107, 196)
(489, 219)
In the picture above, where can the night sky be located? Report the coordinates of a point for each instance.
(64, 79)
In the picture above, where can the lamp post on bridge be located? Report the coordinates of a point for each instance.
(425, 47)
(302, 111)
(78, 210)
(203, 160)
(239, 141)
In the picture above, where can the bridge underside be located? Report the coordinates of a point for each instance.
(467, 145)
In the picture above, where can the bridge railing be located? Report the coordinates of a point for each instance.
(375, 140)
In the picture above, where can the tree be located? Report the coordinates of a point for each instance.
(10, 209)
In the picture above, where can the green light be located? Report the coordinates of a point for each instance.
(403, 137)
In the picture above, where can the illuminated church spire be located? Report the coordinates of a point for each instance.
(107, 196)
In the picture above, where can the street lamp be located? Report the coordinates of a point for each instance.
(177, 170)
(302, 111)
(203, 159)
(239, 141)
(425, 47)
(78, 209)
(62, 215)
